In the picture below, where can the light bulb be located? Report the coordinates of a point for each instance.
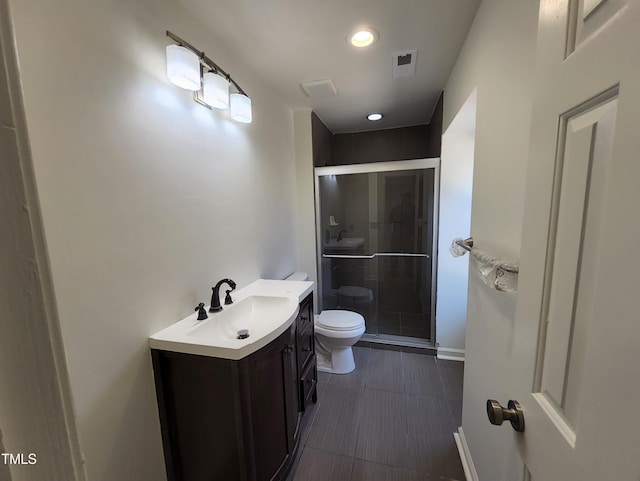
(216, 91)
(183, 67)
(240, 108)
(363, 37)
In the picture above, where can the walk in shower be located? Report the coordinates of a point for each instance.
(376, 235)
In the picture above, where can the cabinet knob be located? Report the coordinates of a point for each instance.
(306, 349)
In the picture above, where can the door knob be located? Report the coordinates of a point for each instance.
(513, 413)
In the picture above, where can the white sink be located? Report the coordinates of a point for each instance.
(260, 315)
(346, 244)
(266, 308)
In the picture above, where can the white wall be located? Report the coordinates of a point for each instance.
(35, 408)
(5, 474)
(305, 205)
(456, 185)
(497, 58)
(147, 199)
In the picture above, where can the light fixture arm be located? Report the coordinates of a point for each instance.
(206, 61)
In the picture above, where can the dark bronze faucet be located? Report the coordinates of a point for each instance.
(215, 298)
(339, 238)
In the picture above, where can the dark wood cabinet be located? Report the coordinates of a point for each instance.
(236, 420)
(306, 366)
(291, 388)
(270, 406)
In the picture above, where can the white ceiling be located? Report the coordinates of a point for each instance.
(288, 42)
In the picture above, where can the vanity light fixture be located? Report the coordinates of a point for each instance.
(215, 90)
(183, 67)
(240, 108)
(191, 69)
(374, 117)
(362, 37)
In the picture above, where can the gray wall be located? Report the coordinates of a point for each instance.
(403, 143)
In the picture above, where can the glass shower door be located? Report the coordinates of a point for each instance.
(376, 232)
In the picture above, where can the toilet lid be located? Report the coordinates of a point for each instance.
(340, 320)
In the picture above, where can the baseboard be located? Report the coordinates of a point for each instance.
(450, 354)
(465, 456)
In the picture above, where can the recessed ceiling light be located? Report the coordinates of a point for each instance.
(374, 117)
(362, 37)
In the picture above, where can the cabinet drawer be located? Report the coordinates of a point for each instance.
(308, 383)
(306, 346)
(305, 316)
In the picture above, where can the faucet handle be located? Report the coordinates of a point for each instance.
(227, 298)
(202, 314)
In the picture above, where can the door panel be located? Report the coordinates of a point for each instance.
(578, 287)
(587, 17)
(581, 168)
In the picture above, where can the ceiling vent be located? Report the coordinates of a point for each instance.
(319, 88)
(404, 63)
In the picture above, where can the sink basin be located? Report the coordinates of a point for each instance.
(265, 309)
(258, 314)
(345, 244)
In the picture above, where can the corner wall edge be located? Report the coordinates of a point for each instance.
(451, 354)
(465, 456)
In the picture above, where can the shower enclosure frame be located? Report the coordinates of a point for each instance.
(373, 167)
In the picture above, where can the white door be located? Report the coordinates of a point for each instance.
(578, 307)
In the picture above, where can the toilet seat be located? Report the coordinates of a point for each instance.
(336, 320)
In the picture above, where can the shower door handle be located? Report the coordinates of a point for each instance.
(401, 254)
(375, 254)
(340, 256)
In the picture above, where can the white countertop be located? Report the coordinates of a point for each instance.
(274, 287)
(179, 336)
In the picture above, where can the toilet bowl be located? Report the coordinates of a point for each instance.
(336, 332)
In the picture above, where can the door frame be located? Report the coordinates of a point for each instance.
(390, 166)
(36, 390)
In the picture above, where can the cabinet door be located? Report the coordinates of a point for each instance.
(274, 405)
(291, 390)
(267, 414)
(199, 415)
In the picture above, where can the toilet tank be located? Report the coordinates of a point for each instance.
(298, 276)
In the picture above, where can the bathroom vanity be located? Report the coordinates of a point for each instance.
(235, 414)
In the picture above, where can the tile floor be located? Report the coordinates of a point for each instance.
(392, 419)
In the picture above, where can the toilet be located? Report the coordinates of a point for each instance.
(336, 332)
